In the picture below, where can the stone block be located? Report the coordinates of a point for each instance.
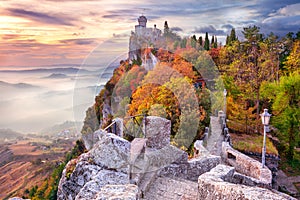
(103, 178)
(112, 152)
(120, 192)
(157, 130)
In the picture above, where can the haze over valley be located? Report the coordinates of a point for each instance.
(32, 100)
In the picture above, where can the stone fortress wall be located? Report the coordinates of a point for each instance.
(151, 168)
(246, 165)
(144, 37)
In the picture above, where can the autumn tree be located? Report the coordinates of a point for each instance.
(292, 62)
(168, 90)
(227, 55)
(241, 115)
(250, 63)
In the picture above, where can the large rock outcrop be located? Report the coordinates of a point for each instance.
(107, 163)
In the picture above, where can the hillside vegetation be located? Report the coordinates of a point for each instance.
(262, 71)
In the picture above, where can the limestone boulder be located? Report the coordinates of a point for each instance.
(106, 163)
(112, 152)
(73, 180)
(104, 177)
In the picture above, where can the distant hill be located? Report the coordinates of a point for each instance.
(69, 70)
(9, 134)
(56, 76)
(18, 85)
(59, 128)
(96, 89)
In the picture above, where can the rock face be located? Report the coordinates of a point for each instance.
(157, 130)
(216, 184)
(105, 164)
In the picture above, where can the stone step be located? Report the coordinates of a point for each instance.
(164, 188)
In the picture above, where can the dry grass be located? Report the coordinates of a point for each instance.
(252, 143)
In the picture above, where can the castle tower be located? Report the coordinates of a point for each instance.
(142, 38)
(142, 21)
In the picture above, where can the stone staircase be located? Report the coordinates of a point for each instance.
(215, 139)
(165, 188)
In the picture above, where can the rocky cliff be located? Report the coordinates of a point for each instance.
(105, 165)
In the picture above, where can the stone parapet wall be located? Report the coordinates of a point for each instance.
(217, 184)
(246, 165)
(192, 169)
(172, 189)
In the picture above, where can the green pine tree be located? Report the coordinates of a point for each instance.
(215, 43)
(206, 42)
(194, 41)
(200, 41)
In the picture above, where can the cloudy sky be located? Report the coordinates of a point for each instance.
(45, 33)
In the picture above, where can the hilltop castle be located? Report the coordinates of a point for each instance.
(143, 38)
